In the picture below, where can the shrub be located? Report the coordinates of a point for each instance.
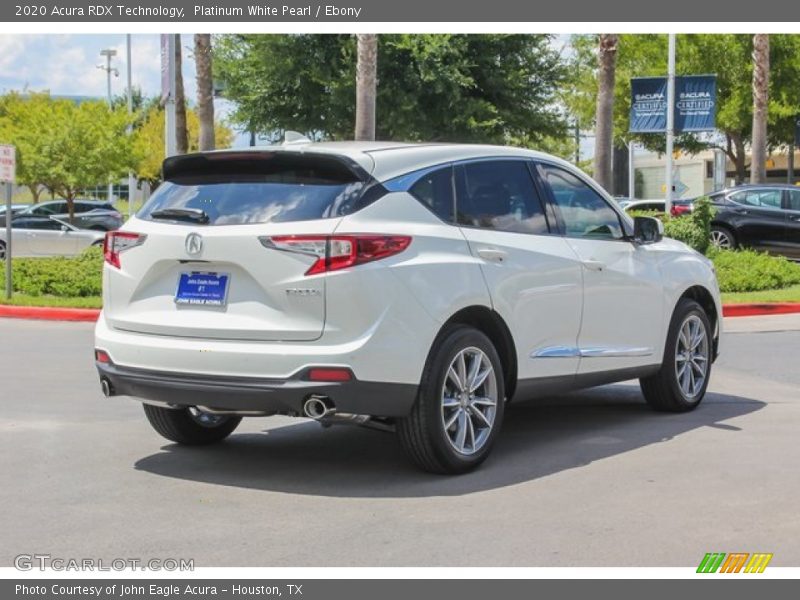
(68, 277)
(694, 230)
(751, 271)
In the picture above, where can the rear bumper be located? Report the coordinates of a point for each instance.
(284, 396)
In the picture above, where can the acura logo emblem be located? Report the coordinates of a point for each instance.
(194, 244)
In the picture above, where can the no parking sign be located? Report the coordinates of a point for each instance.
(8, 163)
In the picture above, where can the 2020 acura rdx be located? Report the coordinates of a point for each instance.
(412, 287)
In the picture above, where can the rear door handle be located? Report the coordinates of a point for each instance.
(492, 254)
(594, 265)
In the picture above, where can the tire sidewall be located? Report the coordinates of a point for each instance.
(448, 346)
(727, 233)
(684, 310)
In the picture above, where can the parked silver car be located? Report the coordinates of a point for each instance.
(47, 236)
(89, 214)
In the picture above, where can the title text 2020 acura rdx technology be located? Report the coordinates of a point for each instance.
(414, 287)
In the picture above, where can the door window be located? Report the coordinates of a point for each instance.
(794, 199)
(758, 198)
(585, 213)
(499, 194)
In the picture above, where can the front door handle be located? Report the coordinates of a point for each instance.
(492, 254)
(594, 265)
(795, 217)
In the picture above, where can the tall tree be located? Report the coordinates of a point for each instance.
(366, 85)
(181, 139)
(467, 88)
(604, 120)
(758, 156)
(205, 89)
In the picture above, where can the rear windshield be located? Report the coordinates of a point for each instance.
(267, 188)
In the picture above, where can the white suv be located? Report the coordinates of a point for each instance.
(411, 287)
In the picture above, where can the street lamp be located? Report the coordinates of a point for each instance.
(109, 53)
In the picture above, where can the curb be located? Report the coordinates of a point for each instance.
(751, 310)
(46, 313)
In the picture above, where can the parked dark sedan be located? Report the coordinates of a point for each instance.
(89, 214)
(765, 217)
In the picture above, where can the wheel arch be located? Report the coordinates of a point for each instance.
(705, 298)
(491, 324)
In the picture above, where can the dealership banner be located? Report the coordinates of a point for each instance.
(695, 104)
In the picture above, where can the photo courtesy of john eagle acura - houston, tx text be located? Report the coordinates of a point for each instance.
(416, 288)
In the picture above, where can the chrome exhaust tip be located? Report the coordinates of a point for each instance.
(318, 407)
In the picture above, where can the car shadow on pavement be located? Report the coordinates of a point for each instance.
(539, 438)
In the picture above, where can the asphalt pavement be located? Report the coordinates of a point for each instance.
(587, 479)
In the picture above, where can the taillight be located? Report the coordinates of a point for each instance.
(119, 241)
(102, 356)
(329, 374)
(334, 252)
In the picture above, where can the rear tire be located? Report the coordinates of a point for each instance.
(460, 404)
(681, 382)
(723, 238)
(190, 426)
(2, 250)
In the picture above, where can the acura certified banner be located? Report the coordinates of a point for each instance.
(695, 104)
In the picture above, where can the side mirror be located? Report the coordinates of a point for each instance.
(647, 230)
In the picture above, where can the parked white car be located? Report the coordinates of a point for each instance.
(413, 287)
(47, 236)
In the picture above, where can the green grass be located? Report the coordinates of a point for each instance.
(789, 294)
(52, 301)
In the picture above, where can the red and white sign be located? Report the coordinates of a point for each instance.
(8, 163)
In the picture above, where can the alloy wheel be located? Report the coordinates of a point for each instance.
(720, 239)
(691, 357)
(469, 401)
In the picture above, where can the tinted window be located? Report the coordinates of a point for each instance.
(499, 194)
(35, 224)
(435, 190)
(759, 198)
(794, 199)
(51, 208)
(584, 211)
(266, 188)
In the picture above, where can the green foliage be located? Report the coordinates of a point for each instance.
(694, 229)
(69, 277)
(726, 55)
(751, 271)
(467, 88)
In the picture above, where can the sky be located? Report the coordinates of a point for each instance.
(67, 65)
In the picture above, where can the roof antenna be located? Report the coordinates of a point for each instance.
(291, 138)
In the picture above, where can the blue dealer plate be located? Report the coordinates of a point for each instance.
(202, 289)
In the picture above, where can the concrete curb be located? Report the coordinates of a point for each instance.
(46, 313)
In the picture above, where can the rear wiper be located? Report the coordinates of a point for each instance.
(196, 215)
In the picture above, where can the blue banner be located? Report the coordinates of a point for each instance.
(648, 105)
(695, 104)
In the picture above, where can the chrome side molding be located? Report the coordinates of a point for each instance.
(592, 352)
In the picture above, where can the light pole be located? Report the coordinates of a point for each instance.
(109, 53)
(131, 179)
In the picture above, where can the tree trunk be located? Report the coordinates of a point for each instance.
(205, 90)
(604, 119)
(366, 85)
(758, 156)
(36, 192)
(182, 140)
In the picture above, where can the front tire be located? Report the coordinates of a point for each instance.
(190, 426)
(460, 404)
(681, 382)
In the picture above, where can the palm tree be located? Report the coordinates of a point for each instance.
(604, 115)
(205, 90)
(366, 85)
(758, 152)
(181, 136)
